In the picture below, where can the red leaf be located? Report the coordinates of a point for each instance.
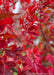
(19, 49)
(9, 0)
(28, 62)
(2, 25)
(32, 9)
(21, 21)
(8, 71)
(8, 36)
(29, 73)
(10, 53)
(40, 69)
(1, 68)
(50, 1)
(33, 33)
(2, 44)
(13, 47)
(10, 63)
(50, 58)
(19, 70)
(33, 27)
(1, 2)
(28, 1)
(50, 70)
(52, 28)
(8, 20)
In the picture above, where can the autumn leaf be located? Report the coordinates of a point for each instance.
(48, 11)
(5, 15)
(8, 36)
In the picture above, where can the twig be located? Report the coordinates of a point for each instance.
(44, 35)
(14, 69)
(14, 3)
(14, 34)
(3, 6)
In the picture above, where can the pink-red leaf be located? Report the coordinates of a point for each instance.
(50, 58)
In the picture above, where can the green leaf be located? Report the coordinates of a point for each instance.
(36, 14)
(15, 73)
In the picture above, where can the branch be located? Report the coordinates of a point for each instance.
(14, 69)
(3, 6)
(14, 3)
(44, 35)
(14, 34)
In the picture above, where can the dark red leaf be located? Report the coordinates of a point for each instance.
(2, 68)
(8, 71)
(10, 53)
(2, 44)
(11, 64)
